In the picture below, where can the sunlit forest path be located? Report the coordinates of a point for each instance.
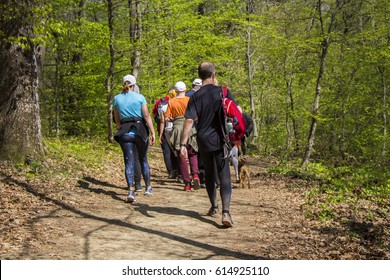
(86, 218)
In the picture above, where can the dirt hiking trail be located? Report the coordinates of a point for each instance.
(87, 219)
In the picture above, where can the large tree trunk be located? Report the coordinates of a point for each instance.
(20, 124)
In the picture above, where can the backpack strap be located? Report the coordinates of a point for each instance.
(223, 96)
(224, 91)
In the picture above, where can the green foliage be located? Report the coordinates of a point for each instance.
(31, 168)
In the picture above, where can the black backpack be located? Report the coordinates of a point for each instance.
(249, 124)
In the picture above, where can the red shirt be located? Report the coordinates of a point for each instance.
(155, 109)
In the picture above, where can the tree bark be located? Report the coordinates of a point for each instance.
(110, 73)
(56, 99)
(292, 138)
(381, 71)
(314, 119)
(249, 66)
(20, 123)
(135, 35)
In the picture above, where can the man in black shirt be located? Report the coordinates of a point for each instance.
(205, 108)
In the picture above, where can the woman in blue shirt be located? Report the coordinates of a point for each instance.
(132, 119)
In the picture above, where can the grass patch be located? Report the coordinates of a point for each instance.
(71, 157)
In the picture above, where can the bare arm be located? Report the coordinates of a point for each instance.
(148, 120)
(162, 126)
(117, 119)
(184, 137)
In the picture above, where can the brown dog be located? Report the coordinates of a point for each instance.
(244, 172)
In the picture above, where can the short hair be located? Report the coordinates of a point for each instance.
(206, 70)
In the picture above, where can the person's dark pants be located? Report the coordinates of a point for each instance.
(170, 159)
(137, 168)
(243, 145)
(130, 146)
(201, 169)
(217, 167)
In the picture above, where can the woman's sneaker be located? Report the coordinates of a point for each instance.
(148, 191)
(130, 197)
(227, 220)
(213, 212)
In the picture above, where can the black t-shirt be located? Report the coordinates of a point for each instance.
(205, 105)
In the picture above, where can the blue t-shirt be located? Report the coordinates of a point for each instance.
(129, 105)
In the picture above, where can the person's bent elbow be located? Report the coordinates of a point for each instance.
(189, 122)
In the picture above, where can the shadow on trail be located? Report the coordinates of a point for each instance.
(213, 249)
(145, 208)
(86, 186)
(99, 182)
(164, 182)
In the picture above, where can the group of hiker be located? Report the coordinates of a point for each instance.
(169, 117)
(189, 130)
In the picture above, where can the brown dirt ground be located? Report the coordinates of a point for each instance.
(85, 218)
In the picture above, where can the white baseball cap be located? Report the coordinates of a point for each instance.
(130, 79)
(197, 82)
(180, 86)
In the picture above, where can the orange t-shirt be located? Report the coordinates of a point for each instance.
(177, 107)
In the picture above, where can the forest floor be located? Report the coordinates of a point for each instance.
(84, 216)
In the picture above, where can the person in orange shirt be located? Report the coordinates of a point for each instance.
(164, 132)
(175, 112)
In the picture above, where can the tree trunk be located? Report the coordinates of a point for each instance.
(313, 126)
(20, 124)
(249, 66)
(381, 71)
(110, 73)
(324, 51)
(56, 99)
(290, 112)
(135, 35)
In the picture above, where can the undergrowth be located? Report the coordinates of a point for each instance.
(70, 157)
(363, 190)
(357, 198)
